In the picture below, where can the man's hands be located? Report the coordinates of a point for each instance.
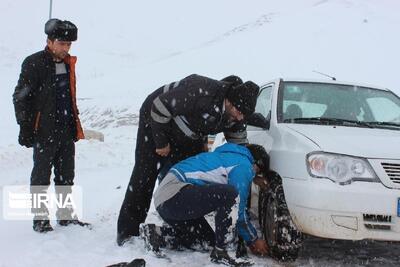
(163, 152)
(205, 147)
(259, 247)
(261, 181)
(25, 137)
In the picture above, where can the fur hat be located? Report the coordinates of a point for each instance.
(260, 156)
(233, 80)
(61, 30)
(244, 97)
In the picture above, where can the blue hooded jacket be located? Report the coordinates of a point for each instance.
(229, 164)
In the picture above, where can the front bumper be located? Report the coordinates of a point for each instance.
(360, 210)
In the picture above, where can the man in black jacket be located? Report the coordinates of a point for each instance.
(174, 123)
(46, 111)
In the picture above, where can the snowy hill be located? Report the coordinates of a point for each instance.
(126, 49)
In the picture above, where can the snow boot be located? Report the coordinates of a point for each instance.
(220, 256)
(122, 239)
(42, 226)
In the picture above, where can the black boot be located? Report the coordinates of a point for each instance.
(221, 256)
(42, 226)
(74, 222)
(123, 238)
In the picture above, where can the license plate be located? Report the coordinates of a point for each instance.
(398, 207)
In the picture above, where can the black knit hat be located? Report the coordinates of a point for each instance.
(261, 157)
(232, 80)
(244, 97)
(61, 30)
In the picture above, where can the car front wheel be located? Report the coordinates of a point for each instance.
(281, 234)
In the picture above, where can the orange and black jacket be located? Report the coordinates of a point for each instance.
(35, 95)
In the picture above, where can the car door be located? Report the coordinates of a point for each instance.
(259, 135)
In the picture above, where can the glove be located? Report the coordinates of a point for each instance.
(258, 120)
(25, 137)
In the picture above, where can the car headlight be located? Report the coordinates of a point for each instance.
(340, 168)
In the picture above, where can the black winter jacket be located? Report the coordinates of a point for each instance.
(34, 97)
(193, 108)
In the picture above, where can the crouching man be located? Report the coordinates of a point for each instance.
(209, 182)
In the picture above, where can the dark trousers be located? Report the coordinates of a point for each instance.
(139, 192)
(59, 152)
(186, 210)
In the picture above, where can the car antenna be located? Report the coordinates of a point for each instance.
(333, 78)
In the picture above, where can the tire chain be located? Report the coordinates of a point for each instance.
(288, 238)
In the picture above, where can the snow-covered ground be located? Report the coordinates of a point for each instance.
(126, 49)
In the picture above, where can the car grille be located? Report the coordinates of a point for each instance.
(393, 171)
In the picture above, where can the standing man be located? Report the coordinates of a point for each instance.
(209, 182)
(173, 125)
(46, 111)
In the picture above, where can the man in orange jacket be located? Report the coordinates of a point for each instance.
(46, 111)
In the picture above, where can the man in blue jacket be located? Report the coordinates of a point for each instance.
(214, 181)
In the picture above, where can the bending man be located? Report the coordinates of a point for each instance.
(173, 125)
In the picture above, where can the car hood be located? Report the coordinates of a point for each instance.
(363, 142)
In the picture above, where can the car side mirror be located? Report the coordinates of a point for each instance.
(258, 120)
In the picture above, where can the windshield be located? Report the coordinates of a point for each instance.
(323, 103)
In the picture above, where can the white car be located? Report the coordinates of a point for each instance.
(335, 163)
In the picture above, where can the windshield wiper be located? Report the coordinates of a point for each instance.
(384, 124)
(330, 121)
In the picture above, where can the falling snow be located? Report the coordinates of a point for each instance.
(116, 71)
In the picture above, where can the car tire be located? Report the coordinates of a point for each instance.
(281, 234)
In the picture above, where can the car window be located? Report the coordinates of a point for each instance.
(301, 100)
(384, 109)
(297, 109)
(263, 105)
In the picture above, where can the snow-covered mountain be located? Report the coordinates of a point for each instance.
(128, 48)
